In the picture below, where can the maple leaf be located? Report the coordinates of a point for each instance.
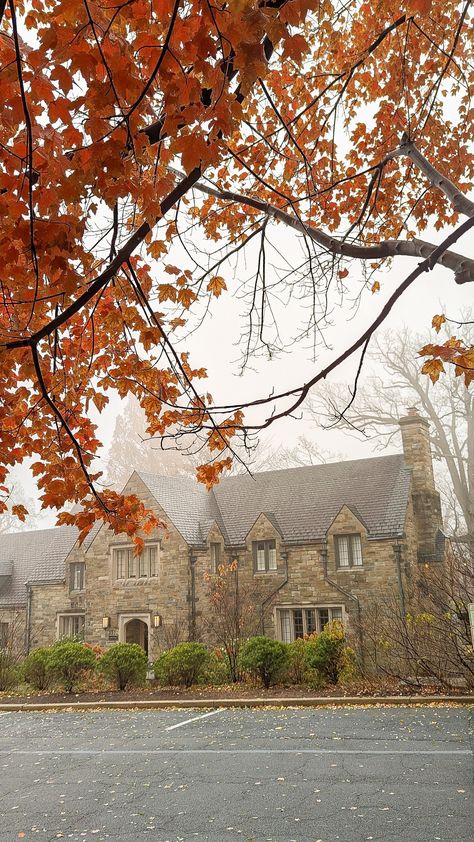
(437, 322)
(433, 368)
(20, 511)
(157, 248)
(216, 285)
(375, 287)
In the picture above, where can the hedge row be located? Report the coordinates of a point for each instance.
(67, 662)
(314, 661)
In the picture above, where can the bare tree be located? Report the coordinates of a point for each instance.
(431, 639)
(384, 396)
(236, 612)
(132, 449)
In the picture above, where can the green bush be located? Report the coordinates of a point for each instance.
(182, 665)
(35, 668)
(216, 670)
(327, 653)
(68, 661)
(298, 654)
(8, 671)
(264, 658)
(124, 664)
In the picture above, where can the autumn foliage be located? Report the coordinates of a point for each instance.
(124, 125)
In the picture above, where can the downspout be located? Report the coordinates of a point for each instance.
(192, 567)
(349, 595)
(401, 594)
(28, 617)
(273, 593)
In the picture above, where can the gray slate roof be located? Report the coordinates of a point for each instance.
(190, 507)
(38, 555)
(300, 502)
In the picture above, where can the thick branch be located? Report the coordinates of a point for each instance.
(102, 280)
(459, 201)
(462, 267)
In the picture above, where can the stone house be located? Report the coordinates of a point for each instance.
(321, 541)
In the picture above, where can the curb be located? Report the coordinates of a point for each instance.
(316, 701)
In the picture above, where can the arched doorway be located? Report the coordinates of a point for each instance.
(136, 631)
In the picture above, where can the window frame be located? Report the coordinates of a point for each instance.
(266, 558)
(73, 567)
(4, 634)
(61, 618)
(216, 561)
(304, 609)
(135, 563)
(350, 551)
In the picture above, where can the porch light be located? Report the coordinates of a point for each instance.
(105, 622)
(157, 621)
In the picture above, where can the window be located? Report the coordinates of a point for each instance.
(264, 556)
(77, 572)
(215, 557)
(129, 566)
(296, 622)
(71, 625)
(3, 635)
(348, 551)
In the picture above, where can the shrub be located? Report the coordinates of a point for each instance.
(327, 653)
(264, 658)
(182, 665)
(35, 669)
(8, 671)
(216, 670)
(298, 667)
(68, 661)
(124, 664)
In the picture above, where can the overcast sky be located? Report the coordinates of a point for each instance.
(215, 346)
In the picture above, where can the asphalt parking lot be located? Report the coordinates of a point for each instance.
(269, 775)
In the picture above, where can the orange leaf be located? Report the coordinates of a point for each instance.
(433, 368)
(216, 285)
(437, 322)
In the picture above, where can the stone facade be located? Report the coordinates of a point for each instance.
(301, 583)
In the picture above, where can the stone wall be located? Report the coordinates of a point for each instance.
(48, 601)
(302, 579)
(15, 633)
(167, 595)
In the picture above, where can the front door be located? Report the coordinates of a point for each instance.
(136, 631)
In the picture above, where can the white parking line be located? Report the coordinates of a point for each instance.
(194, 719)
(175, 751)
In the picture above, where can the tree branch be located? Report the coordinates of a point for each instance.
(301, 392)
(463, 267)
(102, 280)
(459, 201)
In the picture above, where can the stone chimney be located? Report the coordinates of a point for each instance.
(425, 497)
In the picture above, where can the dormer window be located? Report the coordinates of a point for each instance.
(77, 573)
(264, 556)
(348, 551)
(129, 566)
